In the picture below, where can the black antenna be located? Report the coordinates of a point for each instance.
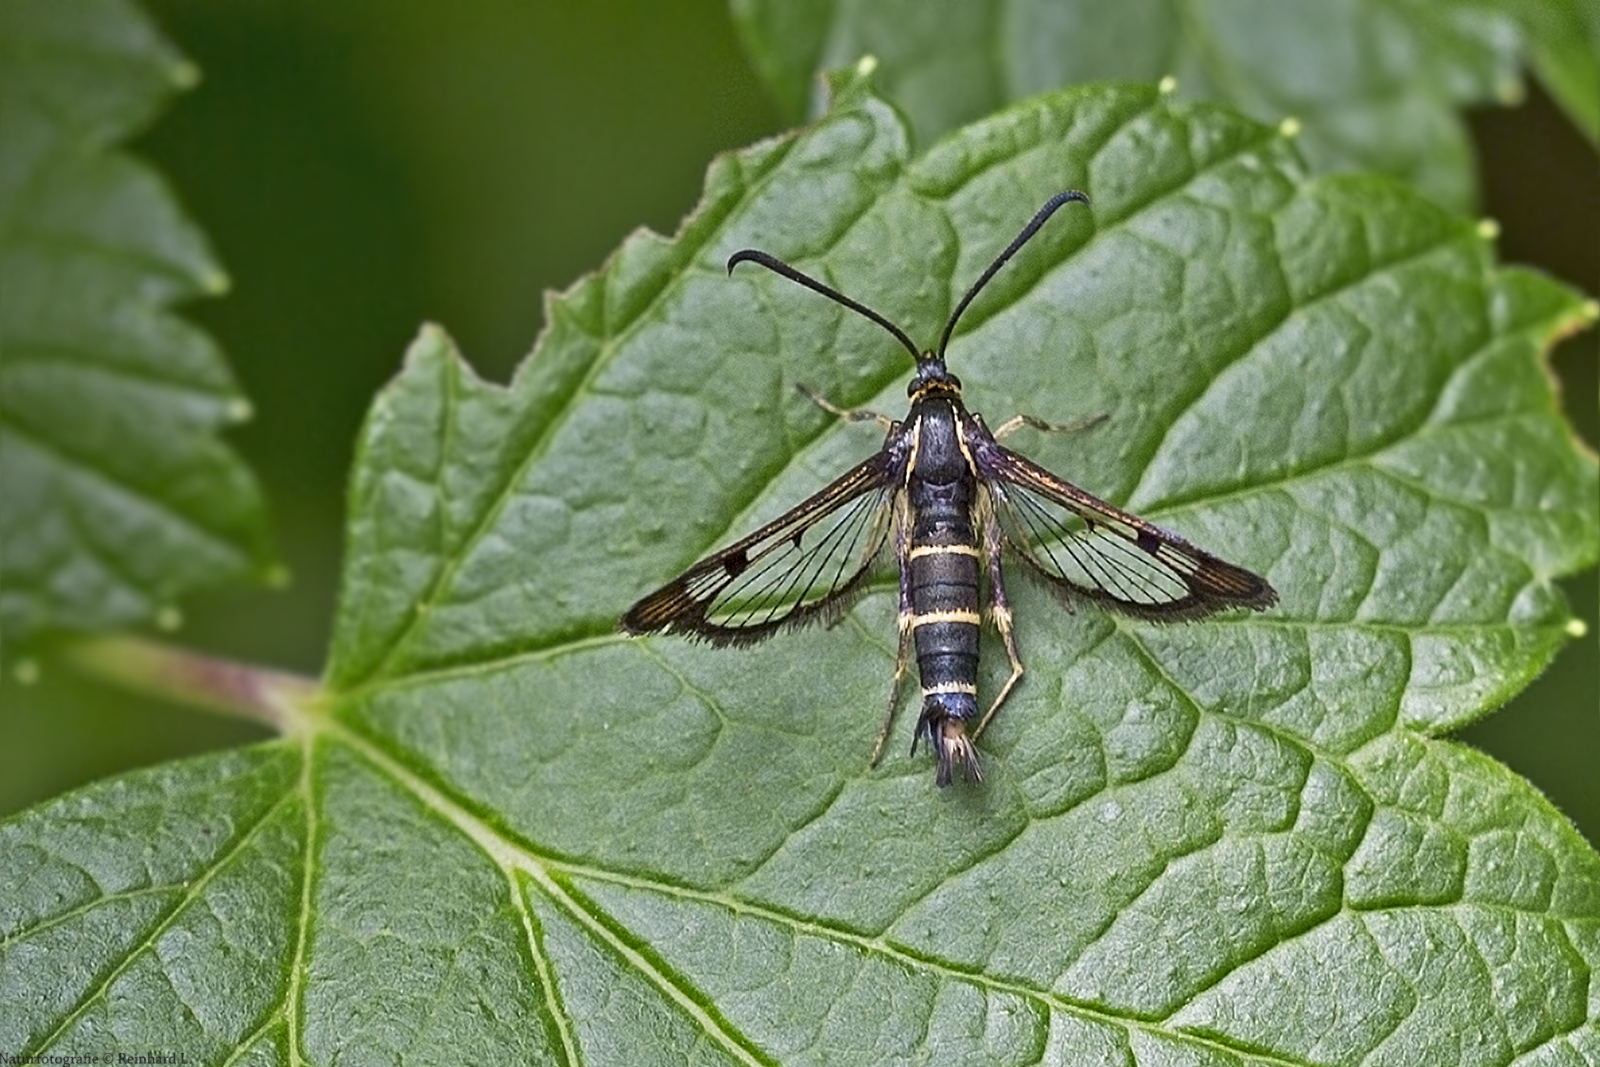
(778, 266)
(1028, 231)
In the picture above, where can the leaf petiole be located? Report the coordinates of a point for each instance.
(275, 698)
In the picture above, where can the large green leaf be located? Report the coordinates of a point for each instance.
(503, 833)
(119, 498)
(1377, 84)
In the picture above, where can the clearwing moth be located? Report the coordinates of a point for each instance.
(951, 501)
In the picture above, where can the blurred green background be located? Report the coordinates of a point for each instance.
(364, 167)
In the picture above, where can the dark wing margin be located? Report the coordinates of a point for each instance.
(804, 566)
(1080, 545)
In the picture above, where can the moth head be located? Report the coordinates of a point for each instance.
(932, 378)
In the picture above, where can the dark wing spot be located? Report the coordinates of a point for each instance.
(735, 563)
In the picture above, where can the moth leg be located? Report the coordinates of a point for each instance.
(1000, 611)
(902, 536)
(901, 659)
(1016, 422)
(852, 414)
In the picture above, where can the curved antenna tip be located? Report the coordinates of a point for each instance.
(1066, 196)
(778, 266)
(1063, 197)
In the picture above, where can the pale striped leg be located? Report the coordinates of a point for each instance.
(852, 414)
(1000, 611)
(1016, 422)
(902, 538)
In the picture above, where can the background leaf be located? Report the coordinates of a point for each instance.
(119, 496)
(1377, 84)
(507, 831)
(1564, 38)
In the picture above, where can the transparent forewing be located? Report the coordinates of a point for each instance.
(801, 567)
(1080, 544)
